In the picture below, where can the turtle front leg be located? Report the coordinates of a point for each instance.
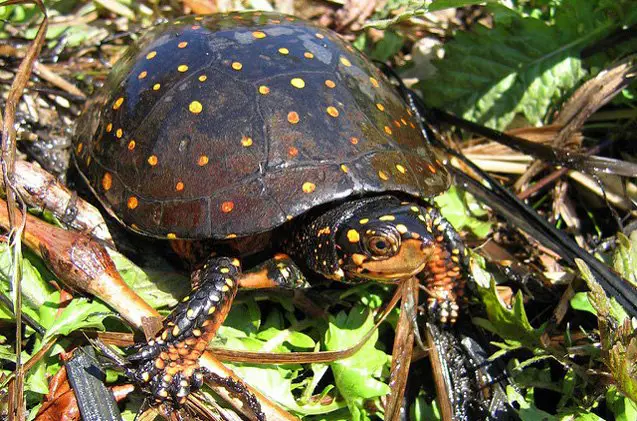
(278, 272)
(168, 365)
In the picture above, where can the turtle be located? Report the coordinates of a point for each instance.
(265, 135)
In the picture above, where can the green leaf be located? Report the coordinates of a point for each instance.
(527, 409)
(356, 376)
(80, 313)
(464, 212)
(521, 65)
(581, 302)
(625, 257)
(509, 323)
(623, 408)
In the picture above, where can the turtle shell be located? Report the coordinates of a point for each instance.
(229, 125)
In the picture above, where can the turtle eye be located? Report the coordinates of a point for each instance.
(382, 245)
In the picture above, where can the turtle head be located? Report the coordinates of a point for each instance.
(381, 239)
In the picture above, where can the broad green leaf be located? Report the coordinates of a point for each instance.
(625, 257)
(80, 313)
(508, 323)
(356, 376)
(623, 408)
(526, 406)
(521, 65)
(464, 212)
(580, 302)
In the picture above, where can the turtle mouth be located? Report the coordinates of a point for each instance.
(411, 259)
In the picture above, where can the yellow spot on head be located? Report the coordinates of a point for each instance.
(151, 55)
(182, 44)
(380, 106)
(258, 34)
(332, 111)
(353, 236)
(171, 236)
(119, 133)
(179, 186)
(307, 54)
(182, 68)
(132, 202)
(195, 107)
(308, 187)
(227, 207)
(383, 175)
(152, 160)
(374, 82)
(107, 181)
(293, 117)
(363, 221)
(118, 103)
(131, 145)
(236, 65)
(156, 87)
(297, 82)
(330, 83)
(109, 127)
(142, 75)
(345, 62)
(202, 78)
(400, 168)
(203, 160)
(246, 141)
(344, 168)
(284, 51)
(264, 90)
(387, 218)
(401, 228)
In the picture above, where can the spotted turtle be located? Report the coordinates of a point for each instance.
(252, 125)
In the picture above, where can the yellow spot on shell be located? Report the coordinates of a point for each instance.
(388, 130)
(142, 75)
(401, 228)
(151, 55)
(231, 236)
(374, 82)
(330, 83)
(179, 186)
(119, 133)
(171, 236)
(431, 168)
(344, 168)
(156, 87)
(293, 117)
(383, 175)
(182, 44)
(284, 51)
(152, 160)
(236, 65)
(246, 141)
(380, 106)
(353, 236)
(203, 160)
(227, 207)
(132, 202)
(297, 82)
(131, 145)
(401, 168)
(332, 111)
(385, 218)
(264, 90)
(107, 181)
(308, 187)
(292, 151)
(259, 34)
(195, 107)
(354, 140)
(109, 127)
(307, 54)
(202, 78)
(118, 103)
(182, 68)
(345, 62)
